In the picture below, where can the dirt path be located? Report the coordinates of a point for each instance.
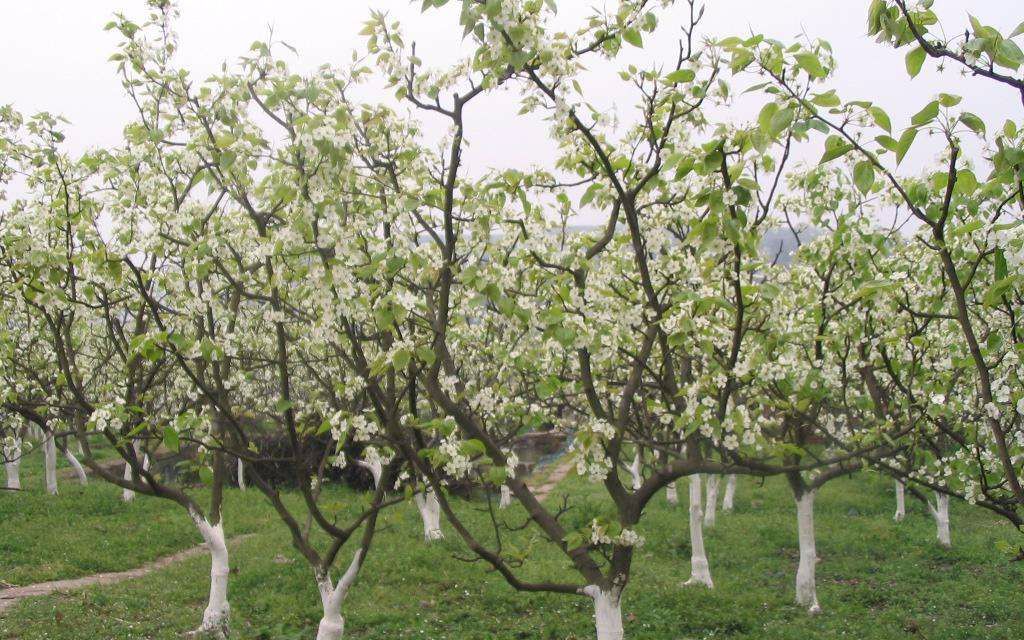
(552, 479)
(9, 597)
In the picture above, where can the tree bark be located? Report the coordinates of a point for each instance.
(700, 572)
(505, 500)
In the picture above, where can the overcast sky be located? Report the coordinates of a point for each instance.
(55, 57)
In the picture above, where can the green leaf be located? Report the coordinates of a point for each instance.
(864, 175)
(1018, 31)
(780, 121)
(903, 146)
(926, 115)
(810, 63)
(914, 61)
(283, 405)
(171, 439)
(680, 75)
(995, 293)
(827, 99)
(588, 195)
(1001, 269)
(632, 36)
(401, 359)
(881, 118)
(835, 147)
(973, 122)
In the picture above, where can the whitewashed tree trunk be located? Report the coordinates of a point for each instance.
(634, 471)
(671, 494)
(430, 512)
(77, 466)
(730, 493)
(806, 592)
(700, 572)
(50, 463)
(241, 474)
(940, 511)
(12, 467)
(128, 495)
(711, 504)
(332, 625)
(505, 501)
(901, 503)
(607, 612)
(375, 468)
(215, 617)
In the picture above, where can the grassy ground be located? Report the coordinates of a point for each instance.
(877, 579)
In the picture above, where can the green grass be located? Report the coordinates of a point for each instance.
(877, 579)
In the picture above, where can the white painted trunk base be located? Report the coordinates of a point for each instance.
(901, 502)
(241, 474)
(50, 463)
(607, 612)
(505, 501)
(940, 511)
(375, 468)
(12, 468)
(671, 494)
(430, 512)
(217, 613)
(77, 466)
(730, 493)
(806, 591)
(332, 625)
(128, 495)
(634, 471)
(700, 572)
(711, 504)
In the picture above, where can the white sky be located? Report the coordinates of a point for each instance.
(55, 52)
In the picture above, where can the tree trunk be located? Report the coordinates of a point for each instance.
(700, 572)
(215, 617)
(332, 625)
(940, 511)
(12, 468)
(77, 466)
(128, 495)
(241, 474)
(806, 593)
(430, 512)
(711, 504)
(730, 493)
(50, 463)
(671, 494)
(901, 503)
(375, 468)
(634, 471)
(505, 500)
(607, 612)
